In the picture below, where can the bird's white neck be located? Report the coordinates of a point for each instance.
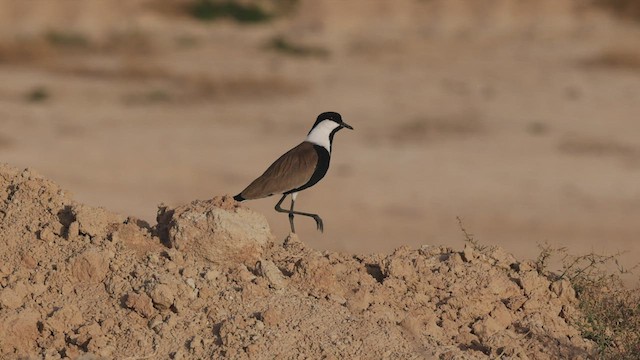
(321, 134)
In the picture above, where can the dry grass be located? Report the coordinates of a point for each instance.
(609, 312)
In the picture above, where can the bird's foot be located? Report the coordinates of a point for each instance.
(319, 223)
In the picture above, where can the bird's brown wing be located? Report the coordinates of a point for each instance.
(290, 171)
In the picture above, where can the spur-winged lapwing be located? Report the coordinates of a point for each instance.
(299, 168)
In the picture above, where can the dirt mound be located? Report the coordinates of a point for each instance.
(77, 280)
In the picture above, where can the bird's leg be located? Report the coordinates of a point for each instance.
(293, 228)
(315, 217)
(291, 212)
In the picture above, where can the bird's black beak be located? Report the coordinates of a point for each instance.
(345, 125)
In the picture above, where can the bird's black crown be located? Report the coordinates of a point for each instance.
(329, 115)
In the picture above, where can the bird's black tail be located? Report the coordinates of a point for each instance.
(238, 198)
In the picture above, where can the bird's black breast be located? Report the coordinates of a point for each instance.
(321, 168)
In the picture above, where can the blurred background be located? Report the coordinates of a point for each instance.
(519, 117)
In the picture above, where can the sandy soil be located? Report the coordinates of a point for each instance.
(520, 118)
(209, 281)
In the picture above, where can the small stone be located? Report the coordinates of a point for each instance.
(153, 258)
(533, 284)
(564, 290)
(191, 283)
(10, 298)
(502, 315)
(73, 230)
(175, 256)
(515, 302)
(337, 299)
(140, 303)
(359, 301)
(95, 222)
(91, 266)
(212, 275)
(270, 271)
(271, 317)
(162, 296)
(47, 235)
(156, 321)
(65, 319)
(487, 327)
(243, 274)
(467, 253)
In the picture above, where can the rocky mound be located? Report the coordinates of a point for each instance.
(209, 281)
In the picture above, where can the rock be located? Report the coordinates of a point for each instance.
(86, 333)
(163, 296)
(316, 276)
(216, 230)
(140, 303)
(467, 253)
(211, 275)
(564, 290)
(19, 332)
(269, 270)
(65, 319)
(271, 317)
(533, 284)
(95, 222)
(487, 327)
(47, 234)
(412, 325)
(359, 301)
(11, 298)
(73, 231)
(134, 237)
(502, 315)
(91, 266)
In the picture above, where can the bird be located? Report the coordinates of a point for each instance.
(299, 168)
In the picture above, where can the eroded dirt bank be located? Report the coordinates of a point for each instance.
(211, 281)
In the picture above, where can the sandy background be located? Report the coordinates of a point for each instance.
(519, 117)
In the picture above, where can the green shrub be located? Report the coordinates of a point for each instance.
(208, 10)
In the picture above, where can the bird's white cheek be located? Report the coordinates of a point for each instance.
(320, 134)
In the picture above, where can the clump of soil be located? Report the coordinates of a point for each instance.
(78, 280)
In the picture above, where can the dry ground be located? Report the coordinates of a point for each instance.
(520, 118)
(84, 283)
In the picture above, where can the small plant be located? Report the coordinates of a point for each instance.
(208, 10)
(610, 313)
(284, 46)
(38, 94)
(469, 238)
